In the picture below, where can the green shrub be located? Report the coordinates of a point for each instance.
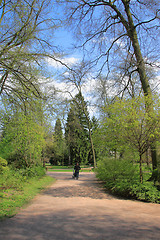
(122, 177)
(11, 179)
(14, 178)
(35, 171)
(146, 192)
(117, 174)
(3, 165)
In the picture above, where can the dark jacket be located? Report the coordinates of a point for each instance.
(77, 168)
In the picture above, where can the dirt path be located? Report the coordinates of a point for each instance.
(81, 210)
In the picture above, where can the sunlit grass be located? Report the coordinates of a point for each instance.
(67, 168)
(11, 200)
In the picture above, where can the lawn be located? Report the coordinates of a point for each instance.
(12, 199)
(67, 168)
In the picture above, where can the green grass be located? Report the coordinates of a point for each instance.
(60, 170)
(12, 199)
(65, 168)
(58, 167)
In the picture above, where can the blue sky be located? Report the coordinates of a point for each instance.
(64, 40)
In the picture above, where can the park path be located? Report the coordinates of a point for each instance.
(81, 210)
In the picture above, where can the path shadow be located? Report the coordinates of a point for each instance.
(77, 225)
(86, 186)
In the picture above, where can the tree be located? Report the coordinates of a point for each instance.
(119, 27)
(59, 143)
(26, 27)
(58, 131)
(76, 132)
(22, 132)
(22, 141)
(78, 77)
(133, 125)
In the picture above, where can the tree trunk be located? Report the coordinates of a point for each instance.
(132, 33)
(147, 158)
(140, 169)
(154, 156)
(92, 146)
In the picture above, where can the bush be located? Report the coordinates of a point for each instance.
(14, 178)
(146, 192)
(118, 175)
(11, 179)
(122, 177)
(36, 171)
(3, 165)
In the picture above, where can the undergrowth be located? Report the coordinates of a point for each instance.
(121, 177)
(18, 187)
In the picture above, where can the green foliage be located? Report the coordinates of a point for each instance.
(13, 198)
(3, 165)
(58, 131)
(128, 128)
(17, 186)
(23, 140)
(145, 192)
(54, 150)
(77, 132)
(21, 25)
(118, 175)
(35, 171)
(58, 148)
(14, 178)
(121, 177)
(132, 124)
(127, 124)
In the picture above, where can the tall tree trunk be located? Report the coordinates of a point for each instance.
(154, 156)
(147, 158)
(92, 146)
(140, 169)
(132, 33)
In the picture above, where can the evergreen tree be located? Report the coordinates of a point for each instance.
(77, 134)
(59, 144)
(58, 131)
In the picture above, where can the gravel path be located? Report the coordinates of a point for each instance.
(81, 210)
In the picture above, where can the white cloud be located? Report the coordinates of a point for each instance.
(64, 90)
(88, 88)
(59, 63)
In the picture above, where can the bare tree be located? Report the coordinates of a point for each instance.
(26, 27)
(119, 25)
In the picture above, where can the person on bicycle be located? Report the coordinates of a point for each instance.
(76, 170)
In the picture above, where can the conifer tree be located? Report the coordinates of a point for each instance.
(77, 134)
(59, 143)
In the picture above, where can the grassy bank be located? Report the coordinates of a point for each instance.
(67, 168)
(12, 198)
